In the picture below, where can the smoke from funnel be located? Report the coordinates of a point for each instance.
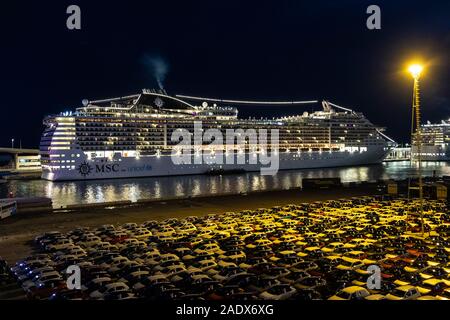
(158, 67)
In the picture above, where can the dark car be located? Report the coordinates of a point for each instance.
(120, 295)
(46, 289)
(261, 267)
(294, 276)
(304, 266)
(132, 268)
(277, 272)
(240, 280)
(388, 263)
(386, 287)
(93, 285)
(306, 295)
(435, 272)
(171, 295)
(410, 278)
(204, 288)
(225, 293)
(418, 264)
(87, 275)
(68, 295)
(156, 290)
(311, 283)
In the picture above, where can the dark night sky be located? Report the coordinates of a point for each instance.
(227, 49)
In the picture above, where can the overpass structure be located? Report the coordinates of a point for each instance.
(19, 160)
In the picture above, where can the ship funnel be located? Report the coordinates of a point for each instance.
(326, 106)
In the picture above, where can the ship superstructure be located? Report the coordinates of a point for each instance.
(435, 141)
(132, 136)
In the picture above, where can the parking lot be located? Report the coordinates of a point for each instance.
(318, 250)
(16, 232)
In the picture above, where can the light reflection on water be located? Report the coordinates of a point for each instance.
(64, 193)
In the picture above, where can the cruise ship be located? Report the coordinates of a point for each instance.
(132, 136)
(435, 141)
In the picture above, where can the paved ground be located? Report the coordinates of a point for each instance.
(12, 292)
(16, 233)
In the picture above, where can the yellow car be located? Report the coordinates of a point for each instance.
(361, 277)
(301, 243)
(355, 255)
(226, 264)
(350, 264)
(404, 293)
(447, 268)
(283, 254)
(351, 293)
(349, 245)
(289, 223)
(428, 298)
(259, 243)
(445, 295)
(375, 297)
(210, 248)
(334, 259)
(331, 247)
(209, 226)
(405, 282)
(312, 249)
(286, 238)
(245, 228)
(431, 272)
(431, 285)
(369, 261)
(435, 264)
(206, 234)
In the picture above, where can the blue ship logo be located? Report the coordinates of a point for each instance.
(84, 169)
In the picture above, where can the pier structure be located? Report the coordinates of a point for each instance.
(399, 154)
(19, 160)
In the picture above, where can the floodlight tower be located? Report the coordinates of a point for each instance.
(415, 70)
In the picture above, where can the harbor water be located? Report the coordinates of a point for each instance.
(80, 192)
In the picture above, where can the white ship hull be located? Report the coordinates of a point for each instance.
(153, 166)
(132, 137)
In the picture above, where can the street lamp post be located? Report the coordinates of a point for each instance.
(416, 71)
(12, 143)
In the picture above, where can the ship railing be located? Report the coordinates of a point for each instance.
(386, 137)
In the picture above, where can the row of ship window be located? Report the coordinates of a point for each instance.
(73, 155)
(63, 161)
(429, 154)
(62, 167)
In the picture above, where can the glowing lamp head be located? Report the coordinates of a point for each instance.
(415, 70)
